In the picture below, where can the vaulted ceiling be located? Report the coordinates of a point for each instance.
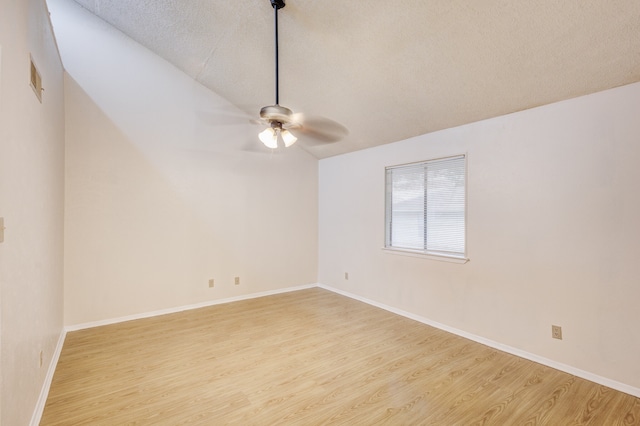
(386, 70)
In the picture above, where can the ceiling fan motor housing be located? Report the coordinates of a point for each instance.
(276, 113)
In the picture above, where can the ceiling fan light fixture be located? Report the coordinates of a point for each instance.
(269, 137)
(288, 138)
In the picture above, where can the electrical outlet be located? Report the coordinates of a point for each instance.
(1, 229)
(237, 281)
(556, 332)
(41, 356)
(346, 275)
(211, 282)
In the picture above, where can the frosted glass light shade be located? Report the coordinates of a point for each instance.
(269, 138)
(288, 138)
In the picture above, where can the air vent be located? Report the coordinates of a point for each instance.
(36, 81)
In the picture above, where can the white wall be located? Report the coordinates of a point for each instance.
(32, 202)
(553, 233)
(160, 197)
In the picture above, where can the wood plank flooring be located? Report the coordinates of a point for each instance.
(310, 357)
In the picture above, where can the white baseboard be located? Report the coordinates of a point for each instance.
(185, 308)
(44, 392)
(622, 387)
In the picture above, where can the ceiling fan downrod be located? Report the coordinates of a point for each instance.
(277, 4)
(275, 114)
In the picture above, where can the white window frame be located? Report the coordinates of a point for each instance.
(435, 255)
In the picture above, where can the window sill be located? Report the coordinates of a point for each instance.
(426, 255)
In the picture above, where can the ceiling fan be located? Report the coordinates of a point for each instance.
(280, 120)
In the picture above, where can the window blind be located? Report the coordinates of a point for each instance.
(425, 206)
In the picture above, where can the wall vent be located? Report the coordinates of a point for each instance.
(36, 81)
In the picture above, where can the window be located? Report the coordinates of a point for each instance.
(425, 207)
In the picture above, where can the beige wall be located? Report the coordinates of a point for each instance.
(31, 202)
(553, 234)
(160, 197)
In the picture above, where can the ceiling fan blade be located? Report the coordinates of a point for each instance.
(214, 119)
(227, 115)
(321, 129)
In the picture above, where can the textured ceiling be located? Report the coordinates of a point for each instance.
(391, 70)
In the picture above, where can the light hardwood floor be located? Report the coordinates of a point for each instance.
(310, 357)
